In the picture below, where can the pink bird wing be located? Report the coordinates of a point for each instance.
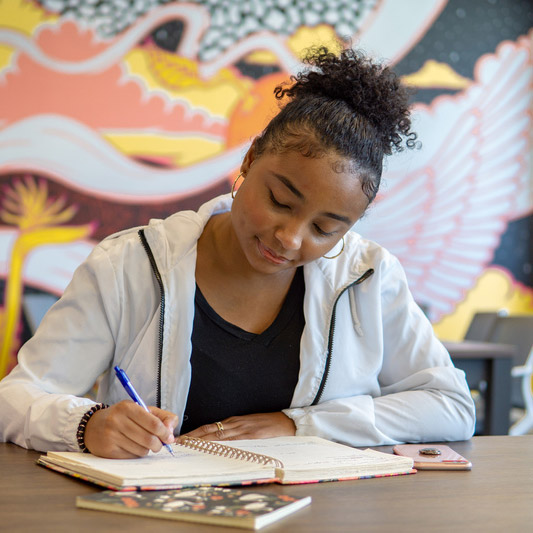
(444, 217)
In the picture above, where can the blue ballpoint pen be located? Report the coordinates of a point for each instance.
(126, 383)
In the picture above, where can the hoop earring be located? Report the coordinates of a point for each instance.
(336, 255)
(233, 191)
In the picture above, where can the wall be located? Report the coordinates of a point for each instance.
(112, 113)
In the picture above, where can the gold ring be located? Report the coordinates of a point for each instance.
(219, 426)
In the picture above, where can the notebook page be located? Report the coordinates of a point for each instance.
(312, 453)
(160, 467)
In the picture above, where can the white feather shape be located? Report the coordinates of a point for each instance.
(91, 164)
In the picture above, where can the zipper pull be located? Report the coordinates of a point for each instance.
(353, 306)
(365, 276)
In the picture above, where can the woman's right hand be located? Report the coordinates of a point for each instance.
(125, 430)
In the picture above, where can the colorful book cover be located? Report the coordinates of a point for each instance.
(212, 505)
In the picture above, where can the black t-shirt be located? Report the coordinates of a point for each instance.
(235, 372)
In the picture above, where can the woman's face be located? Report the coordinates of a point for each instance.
(291, 209)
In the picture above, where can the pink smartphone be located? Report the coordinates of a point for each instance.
(433, 457)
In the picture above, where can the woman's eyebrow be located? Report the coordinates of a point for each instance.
(342, 218)
(300, 195)
(289, 186)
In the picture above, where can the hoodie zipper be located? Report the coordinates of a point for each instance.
(159, 280)
(359, 280)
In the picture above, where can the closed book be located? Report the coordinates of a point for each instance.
(209, 505)
(199, 462)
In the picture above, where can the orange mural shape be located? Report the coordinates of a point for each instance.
(253, 112)
(102, 97)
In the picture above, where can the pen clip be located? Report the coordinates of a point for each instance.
(126, 383)
(121, 375)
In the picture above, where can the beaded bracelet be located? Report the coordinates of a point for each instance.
(80, 434)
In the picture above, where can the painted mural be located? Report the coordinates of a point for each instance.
(115, 112)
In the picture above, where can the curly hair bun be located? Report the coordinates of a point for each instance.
(370, 89)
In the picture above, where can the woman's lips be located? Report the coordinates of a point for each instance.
(270, 255)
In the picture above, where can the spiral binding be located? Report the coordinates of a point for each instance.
(222, 450)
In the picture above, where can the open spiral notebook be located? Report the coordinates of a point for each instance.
(198, 462)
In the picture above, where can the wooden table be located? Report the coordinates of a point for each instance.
(495, 496)
(490, 363)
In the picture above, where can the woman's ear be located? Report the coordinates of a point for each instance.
(249, 158)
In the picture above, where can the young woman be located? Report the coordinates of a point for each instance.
(259, 315)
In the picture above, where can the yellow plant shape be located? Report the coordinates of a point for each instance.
(26, 205)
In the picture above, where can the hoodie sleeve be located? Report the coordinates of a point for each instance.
(41, 400)
(412, 392)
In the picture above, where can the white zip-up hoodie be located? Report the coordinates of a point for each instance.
(372, 371)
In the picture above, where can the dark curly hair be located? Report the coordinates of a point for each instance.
(346, 103)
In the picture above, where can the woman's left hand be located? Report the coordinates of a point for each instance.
(257, 426)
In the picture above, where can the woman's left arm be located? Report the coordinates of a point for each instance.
(434, 409)
(419, 395)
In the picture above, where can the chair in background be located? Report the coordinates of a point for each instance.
(525, 423)
(518, 331)
(482, 325)
(480, 329)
